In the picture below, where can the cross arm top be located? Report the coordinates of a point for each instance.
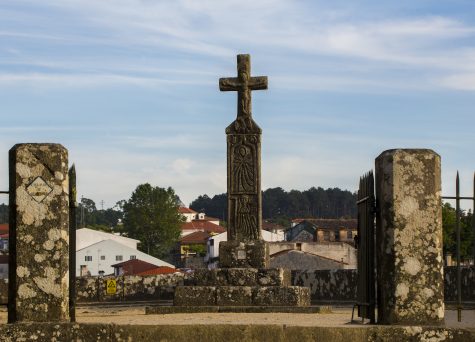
(236, 84)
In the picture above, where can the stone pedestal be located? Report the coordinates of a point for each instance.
(241, 287)
(39, 224)
(409, 238)
(253, 254)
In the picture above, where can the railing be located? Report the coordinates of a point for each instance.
(72, 242)
(457, 199)
(364, 242)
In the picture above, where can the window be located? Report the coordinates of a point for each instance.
(118, 258)
(211, 242)
(132, 257)
(88, 258)
(103, 257)
(350, 234)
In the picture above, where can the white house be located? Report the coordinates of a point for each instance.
(98, 257)
(86, 237)
(212, 246)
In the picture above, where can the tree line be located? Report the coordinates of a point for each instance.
(151, 215)
(279, 205)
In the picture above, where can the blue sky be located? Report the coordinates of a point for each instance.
(131, 88)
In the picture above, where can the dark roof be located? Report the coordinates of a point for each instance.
(196, 237)
(269, 226)
(209, 218)
(286, 251)
(330, 224)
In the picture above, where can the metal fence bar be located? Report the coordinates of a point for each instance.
(72, 243)
(365, 248)
(458, 212)
(457, 232)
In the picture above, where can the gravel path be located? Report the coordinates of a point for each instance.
(135, 315)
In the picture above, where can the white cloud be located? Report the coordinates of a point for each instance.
(459, 82)
(82, 80)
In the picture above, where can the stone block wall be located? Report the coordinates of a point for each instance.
(93, 289)
(326, 286)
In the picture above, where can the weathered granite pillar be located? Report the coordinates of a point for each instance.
(39, 223)
(409, 237)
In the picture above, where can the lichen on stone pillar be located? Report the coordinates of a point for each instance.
(409, 237)
(39, 234)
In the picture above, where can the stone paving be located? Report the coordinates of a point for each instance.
(340, 317)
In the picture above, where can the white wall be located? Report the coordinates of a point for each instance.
(338, 251)
(110, 249)
(86, 237)
(213, 247)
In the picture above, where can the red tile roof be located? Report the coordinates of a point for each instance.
(184, 210)
(134, 266)
(4, 228)
(158, 270)
(196, 237)
(203, 225)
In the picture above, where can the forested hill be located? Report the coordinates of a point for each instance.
(278, 204)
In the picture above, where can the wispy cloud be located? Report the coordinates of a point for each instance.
(91, 80)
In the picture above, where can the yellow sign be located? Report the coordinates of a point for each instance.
(111, 287)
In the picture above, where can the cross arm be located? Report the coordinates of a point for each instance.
(229, 84)
(258, 83)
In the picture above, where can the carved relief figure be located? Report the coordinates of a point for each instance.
(246, 219)
(243, 169)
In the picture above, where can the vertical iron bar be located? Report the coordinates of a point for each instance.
(457, 229)
(72, 243)
(473, 220)
(372, 282)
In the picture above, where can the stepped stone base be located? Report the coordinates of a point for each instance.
(163, 310)
(242, 296)
(253, 254)
(240, 277)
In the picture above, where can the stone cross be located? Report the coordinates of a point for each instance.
(39, 234)
(244, 247)
(243, 84)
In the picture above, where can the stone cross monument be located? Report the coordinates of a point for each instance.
(243, 278)
(244, 247)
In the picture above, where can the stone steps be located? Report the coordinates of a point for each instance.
(240, 277)
(242, 296)
(164, 310)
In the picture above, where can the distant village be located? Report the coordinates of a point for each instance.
(308, 243)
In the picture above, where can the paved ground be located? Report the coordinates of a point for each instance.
(135, 315)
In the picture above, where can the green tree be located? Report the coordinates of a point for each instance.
(449, 234)
(151, 216)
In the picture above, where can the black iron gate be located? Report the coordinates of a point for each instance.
(365, 244)
(458, 212)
